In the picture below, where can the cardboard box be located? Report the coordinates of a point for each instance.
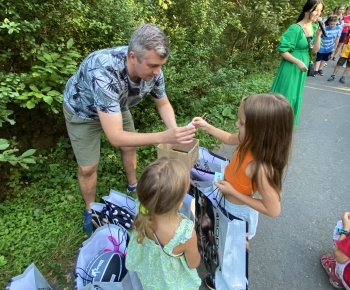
(187, 153)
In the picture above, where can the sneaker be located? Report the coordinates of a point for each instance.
(331, 79)
(325, 64)
(344, 65)
(209, 282)
(320, 72)
(328, 263)
(315, 73)
(87, 224)
(130, 188)
(342, 80)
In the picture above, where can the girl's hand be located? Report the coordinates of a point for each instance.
(346, 221)
(302, 66)
(225, 187)
(199, 123)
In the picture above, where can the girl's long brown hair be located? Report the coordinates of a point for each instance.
(269, 121)
(160, 190)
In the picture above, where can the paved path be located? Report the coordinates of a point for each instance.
(286, 251)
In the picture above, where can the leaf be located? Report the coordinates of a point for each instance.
(48, 57)
(48, 99)
(69, 43)
(34, 88)
(4, 144)
(28, 153)
(227, 112)
(53, 93)
(28, 160)
(46, 89)
(2, 261)
(30, 105)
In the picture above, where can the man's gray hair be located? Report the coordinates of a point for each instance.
(147, 37)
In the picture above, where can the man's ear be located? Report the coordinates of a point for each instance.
(132, 57)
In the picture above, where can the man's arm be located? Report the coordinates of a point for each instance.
(166, 112)
(112, 125)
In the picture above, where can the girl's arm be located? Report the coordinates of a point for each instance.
(269, 203)
(192, 255)
(223, 136)
(287, 56)
(339, 256)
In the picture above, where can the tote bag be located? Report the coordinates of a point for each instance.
(222, 243)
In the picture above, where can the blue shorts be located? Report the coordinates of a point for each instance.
(323, 56)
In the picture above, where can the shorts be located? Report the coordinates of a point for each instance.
(342, 60)
(243, 212)
(343, 36)
(85, 135)
(323, 56)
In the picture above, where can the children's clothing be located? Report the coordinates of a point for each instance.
(242, 183)
(243, 212)
(328, 43)
(238, 178)
(346, 51)
(156, 269)
(342, 270)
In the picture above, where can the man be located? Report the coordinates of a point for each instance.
(98, 97)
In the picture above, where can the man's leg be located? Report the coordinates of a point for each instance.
(87, 179)
(129, 164)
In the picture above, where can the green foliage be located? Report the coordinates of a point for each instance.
(221, 52)
(9, 155)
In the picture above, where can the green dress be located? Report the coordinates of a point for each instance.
(155, 269)
(290, 80)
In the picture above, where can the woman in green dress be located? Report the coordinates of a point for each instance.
(294, 49)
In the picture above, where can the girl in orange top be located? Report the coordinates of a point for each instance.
(265, 126)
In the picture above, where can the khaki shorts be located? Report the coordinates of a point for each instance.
(85, 135)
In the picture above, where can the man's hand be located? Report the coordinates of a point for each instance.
(181, 135)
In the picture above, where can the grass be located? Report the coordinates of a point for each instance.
(41, 217)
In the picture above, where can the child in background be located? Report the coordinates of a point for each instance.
(338, 268)
(344, 57)
(328, 44)
(265, 126)
(163, 248)
(345, 31)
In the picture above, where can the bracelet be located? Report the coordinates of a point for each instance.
(341, 231)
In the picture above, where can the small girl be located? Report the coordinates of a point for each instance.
(265, 126)
(163, 248)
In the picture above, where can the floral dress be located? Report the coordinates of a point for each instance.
(156, 269)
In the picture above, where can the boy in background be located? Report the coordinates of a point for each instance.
(328, 44)
(344, 57)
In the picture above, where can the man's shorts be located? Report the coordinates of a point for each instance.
(85, 135)
(342, 60)
(323, 56)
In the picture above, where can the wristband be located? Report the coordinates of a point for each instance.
(341, 231)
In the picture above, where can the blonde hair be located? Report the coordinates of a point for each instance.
(269, 122)
(160, 190)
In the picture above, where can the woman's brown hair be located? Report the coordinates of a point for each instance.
(269, 122)
(160, 190)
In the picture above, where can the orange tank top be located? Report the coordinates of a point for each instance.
(239, 179)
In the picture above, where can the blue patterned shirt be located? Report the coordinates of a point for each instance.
(102, 82)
